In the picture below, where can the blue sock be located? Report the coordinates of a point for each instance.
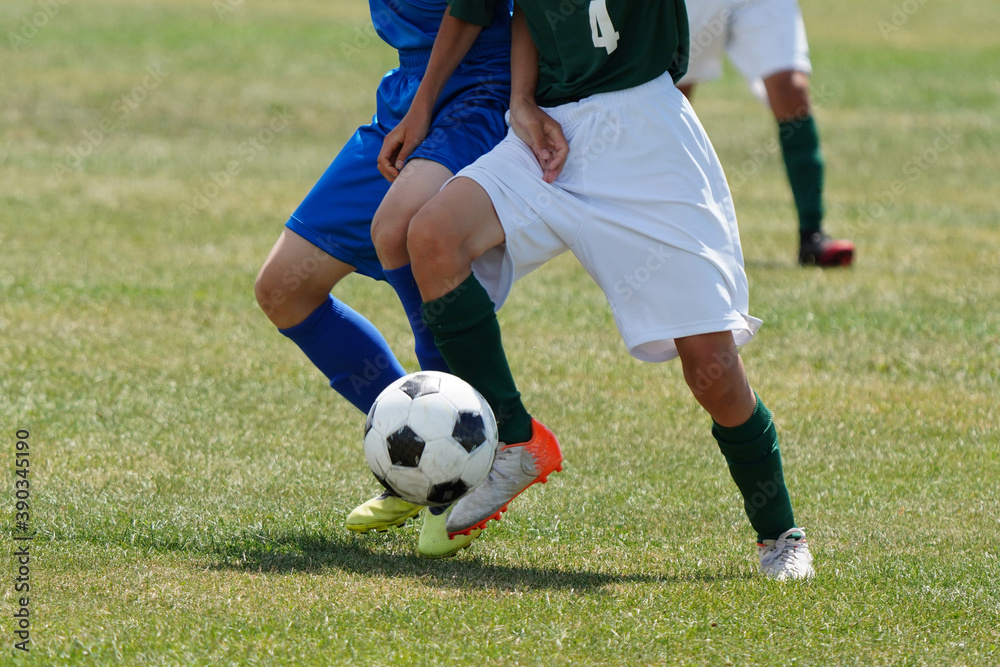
(427, 352)
(349, 350)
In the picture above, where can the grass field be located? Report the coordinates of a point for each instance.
(190, 472)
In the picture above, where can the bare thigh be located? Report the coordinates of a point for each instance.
(419, 181)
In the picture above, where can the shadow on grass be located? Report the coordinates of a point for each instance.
(289, 553)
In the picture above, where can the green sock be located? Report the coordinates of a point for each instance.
(804, 165)
(467, 333)
(751, 450)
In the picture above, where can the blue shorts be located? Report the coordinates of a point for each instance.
(336, 215)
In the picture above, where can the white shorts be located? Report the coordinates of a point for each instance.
(644, 206)
(761, 37)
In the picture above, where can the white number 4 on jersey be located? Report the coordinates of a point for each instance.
(602, 30)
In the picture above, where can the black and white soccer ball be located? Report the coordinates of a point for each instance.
(430, 438)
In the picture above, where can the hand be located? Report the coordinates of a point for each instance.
(543, 135)
(400, 143)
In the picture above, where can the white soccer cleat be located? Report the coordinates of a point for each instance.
(787, 557)
(515, 468)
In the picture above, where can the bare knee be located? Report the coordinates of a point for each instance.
(389, 231)
(709, 364)
(714, 372)
(448, 233)
(284, 297)
(439, 256)
(270, 296)
(424, 237)
(295, 280)
(419, 182)
(788, 94)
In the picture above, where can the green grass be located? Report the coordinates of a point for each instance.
(190, 471)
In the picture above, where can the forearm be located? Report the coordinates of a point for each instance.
(523, 61)
(454, 39)
(530, 123)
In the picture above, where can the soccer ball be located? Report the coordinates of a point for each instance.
(430, 438)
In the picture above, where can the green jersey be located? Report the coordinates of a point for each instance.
(597, 46)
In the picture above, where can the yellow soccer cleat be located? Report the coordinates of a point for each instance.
(434, 541)
(381, 513)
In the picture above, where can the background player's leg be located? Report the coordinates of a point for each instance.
(293, 289)
(418, 181)
(788, 95)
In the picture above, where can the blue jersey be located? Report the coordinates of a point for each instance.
(412, 24)
(468, 121)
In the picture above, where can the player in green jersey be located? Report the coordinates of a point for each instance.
(605, 158)
(766, 41)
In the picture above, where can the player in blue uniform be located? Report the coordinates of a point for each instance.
(437, 112)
